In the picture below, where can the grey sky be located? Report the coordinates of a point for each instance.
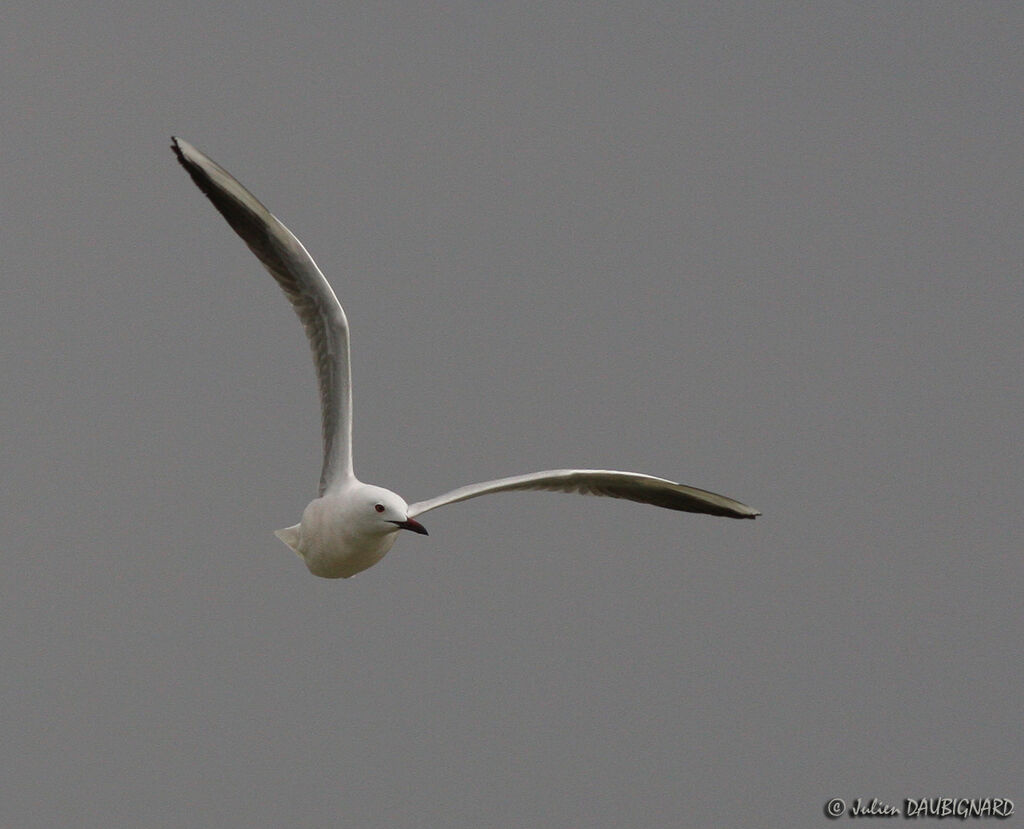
(769, 250)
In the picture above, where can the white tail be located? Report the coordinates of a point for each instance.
(291, 536)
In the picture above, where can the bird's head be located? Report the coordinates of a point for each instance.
(385, 511)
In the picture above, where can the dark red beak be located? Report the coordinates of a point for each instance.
(411, 524)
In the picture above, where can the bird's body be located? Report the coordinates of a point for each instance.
(342, 533)
(351, 526)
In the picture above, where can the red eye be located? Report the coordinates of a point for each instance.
(379, 507)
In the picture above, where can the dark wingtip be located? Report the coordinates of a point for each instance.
(201, 178)
(183, 160)
(738, 511)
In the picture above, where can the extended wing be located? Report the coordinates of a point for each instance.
(643, 489)
(307, 289)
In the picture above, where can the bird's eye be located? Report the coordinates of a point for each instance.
(379, 507)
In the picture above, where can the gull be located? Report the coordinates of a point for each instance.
(350, 526)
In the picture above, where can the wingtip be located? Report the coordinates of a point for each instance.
(738, 510)
(179, 153)
(181, 148)
(195, 163)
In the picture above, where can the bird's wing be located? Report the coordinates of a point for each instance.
(643, 489)
(307, 289)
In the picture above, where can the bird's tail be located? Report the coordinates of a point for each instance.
(292, 536)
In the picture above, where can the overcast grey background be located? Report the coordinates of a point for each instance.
(770, 250)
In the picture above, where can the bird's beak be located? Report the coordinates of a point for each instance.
(411, 524)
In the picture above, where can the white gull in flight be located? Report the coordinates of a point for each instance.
(351, 525)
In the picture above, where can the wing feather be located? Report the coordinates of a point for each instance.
(306, 288)
(632, 486)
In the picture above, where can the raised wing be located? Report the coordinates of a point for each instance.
(643, 489)
(307, 289)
